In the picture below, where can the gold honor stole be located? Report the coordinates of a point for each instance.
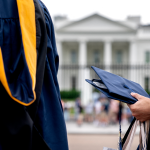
(26, 10)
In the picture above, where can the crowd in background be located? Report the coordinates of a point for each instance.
(100, 111)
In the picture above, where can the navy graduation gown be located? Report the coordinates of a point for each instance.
(30, 109)
(50, 120)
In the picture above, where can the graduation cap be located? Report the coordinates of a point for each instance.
(116, 87)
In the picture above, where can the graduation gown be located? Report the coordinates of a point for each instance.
(30, 110)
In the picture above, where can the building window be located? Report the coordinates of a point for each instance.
(119, 57)
(147, 56)
(146, 83)
(73, 83)
(73, 57)
(96, 56)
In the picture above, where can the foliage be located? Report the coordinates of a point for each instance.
(70, 95)
(147, 91)
(96, 90)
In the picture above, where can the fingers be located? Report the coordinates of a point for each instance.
(140, 110)
(129, 105)
(132, 107)
(140, 118)
(137, 96)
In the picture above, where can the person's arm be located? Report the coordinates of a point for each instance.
(141, 109)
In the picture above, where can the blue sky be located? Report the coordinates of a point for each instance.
(113, 9)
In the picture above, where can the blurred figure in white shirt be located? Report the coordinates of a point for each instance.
(89, 110)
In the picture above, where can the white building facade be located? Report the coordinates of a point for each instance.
(96, 40)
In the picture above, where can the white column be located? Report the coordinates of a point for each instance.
(84, 73)
(60, 78)
(107, 55)
(133, 61)
(133, 53)
(82, 53)
(86, 87)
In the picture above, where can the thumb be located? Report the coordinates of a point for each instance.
(137, 96)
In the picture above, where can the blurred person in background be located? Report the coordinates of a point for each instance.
(105, 102)
(113, 111)
(97, 111)
(66, 111)
(129, 115)
(125, 115)
(104, 110)
(76, 108)
(89, 112)
(95, 96)
(80, 112)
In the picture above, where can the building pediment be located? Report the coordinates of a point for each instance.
(95, 23)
